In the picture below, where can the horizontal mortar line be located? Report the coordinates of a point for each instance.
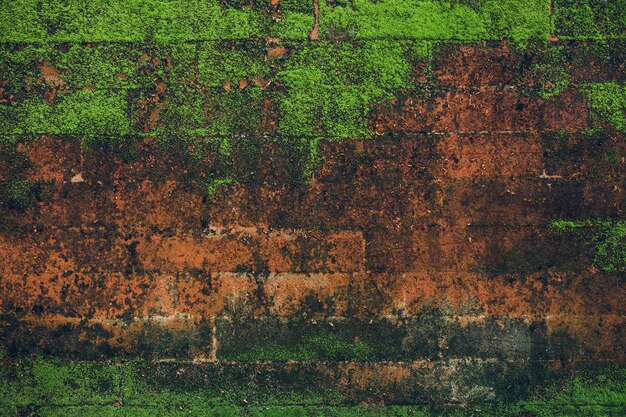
(89, 229)
(424, 90)
(439, 165)
(452, 361)
(345, 404)
(426, 362)
(305, 39)
(184, 273)
(511, 179)
(419, 89)
(465, 155)
(263, 231)
(261, 273)
(56, 319)
(269, 135)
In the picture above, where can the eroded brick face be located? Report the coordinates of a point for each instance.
(424, 252)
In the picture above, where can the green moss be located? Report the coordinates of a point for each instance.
(172, 20)
(551, 73)
(609, 245)
(38, 381)
(218, 113)
(330, 88)
(127, 21)
(215, 184)
(207, 388)
(590, 19)
(56, 388)
(220, 62)
(100, 66)
(583, 395)
(85, 113)
(561, 226)
(519, 21)
(112, 411)
(304, 157)
(205, 20)
(321, 345)
(605, 238)
(21, 194)
(437, 20)
(354, 411)
(608, 100)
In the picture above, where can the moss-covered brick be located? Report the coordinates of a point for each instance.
(232, 62)
(589, 19)
(221, 113)
(136, 388)
(138, 411)
(605, 238)
(330, 87)
(98, 66)
(608, 100)
(128, 21)
(269, 339)
(20, 194)
(171, 20)
(201, 386)
(38, 382)
(296, 20)
(437, 20)
(85, 112)
(430, 335)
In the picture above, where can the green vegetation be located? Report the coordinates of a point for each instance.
(214, 184)
(51, 387)
(420, 20)
(606, 240)
(220, 62)
(585, 394)
(590, 19)
(168, 21)
(551, 73)
(101, 66)
(331, 87)
(322, 345)
(21, 194)
(561, 226)
(127, 21)
(203, 72)
(92, 113)
(609, 101)
(53, 382)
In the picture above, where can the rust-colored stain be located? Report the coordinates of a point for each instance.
(450, 214)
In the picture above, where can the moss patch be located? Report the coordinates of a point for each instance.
(49, 387)
(589, 19)
(437, 20)
(321, 345)
(606, 240)
(21, 194)
(608, 100)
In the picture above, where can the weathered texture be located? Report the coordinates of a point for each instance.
(413, 264)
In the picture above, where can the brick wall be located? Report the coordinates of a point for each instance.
(413, 267)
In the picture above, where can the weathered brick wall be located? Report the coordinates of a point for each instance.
(415, 266)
